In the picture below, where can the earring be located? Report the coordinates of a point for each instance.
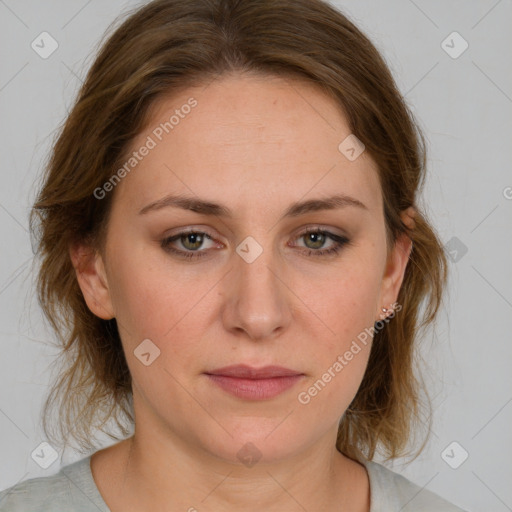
(384, 315)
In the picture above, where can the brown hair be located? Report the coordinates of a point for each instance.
(169, 45)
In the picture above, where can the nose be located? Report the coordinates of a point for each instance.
(257, 298)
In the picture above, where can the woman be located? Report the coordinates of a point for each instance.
(234, 260)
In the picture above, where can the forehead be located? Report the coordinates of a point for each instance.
(244, 139)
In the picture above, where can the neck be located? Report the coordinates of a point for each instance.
(156, 475)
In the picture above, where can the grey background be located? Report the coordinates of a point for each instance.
(464, 105)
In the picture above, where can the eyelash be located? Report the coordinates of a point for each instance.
(341, 241)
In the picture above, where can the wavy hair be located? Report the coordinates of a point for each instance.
(166, 46)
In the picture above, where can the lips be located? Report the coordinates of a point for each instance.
(248, 383)
(248, 372)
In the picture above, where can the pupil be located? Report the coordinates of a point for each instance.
(194, 239)
(317, 239)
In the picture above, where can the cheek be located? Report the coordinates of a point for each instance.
(343, 300)
(340, 356)
(146, 295)
(159, 301)
(164, 309)
(345, 304)
(331, 391)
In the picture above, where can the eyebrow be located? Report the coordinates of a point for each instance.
(210, 208)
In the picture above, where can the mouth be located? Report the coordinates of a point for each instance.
(251, 383)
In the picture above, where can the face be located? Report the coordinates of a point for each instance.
(250, 278)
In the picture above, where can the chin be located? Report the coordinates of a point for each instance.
(250, 441)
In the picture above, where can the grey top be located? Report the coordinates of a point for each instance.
(73, 489)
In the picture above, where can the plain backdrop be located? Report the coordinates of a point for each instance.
(462, 98)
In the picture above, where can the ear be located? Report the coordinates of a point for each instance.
(395, 266)
(92, 279)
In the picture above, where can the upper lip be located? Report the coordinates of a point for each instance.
(243, 371)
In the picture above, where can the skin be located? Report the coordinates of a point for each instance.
(256, 145)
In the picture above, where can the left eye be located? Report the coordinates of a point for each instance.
(318, 237)
(192, 241)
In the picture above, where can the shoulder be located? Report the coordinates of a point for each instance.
(391, 491)
(70, 490)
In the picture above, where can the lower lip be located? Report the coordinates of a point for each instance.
(255, 389)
